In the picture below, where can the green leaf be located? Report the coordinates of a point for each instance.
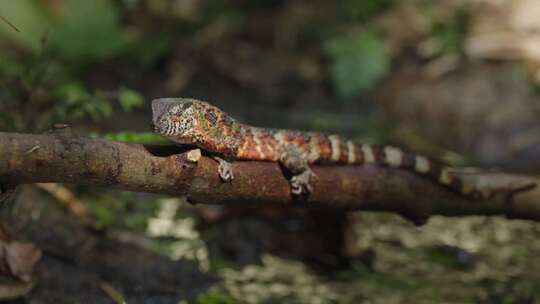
(77, 29)
(451, 35)
(71, 92)
(76, 103)
(357, 63)
(87, 29)
(97, 107)
(7, 122)
(129, 99)
(362, 10)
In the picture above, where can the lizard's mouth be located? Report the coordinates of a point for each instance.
(157, 129)
(162, 127)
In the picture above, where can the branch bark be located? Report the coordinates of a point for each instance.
(64, 158)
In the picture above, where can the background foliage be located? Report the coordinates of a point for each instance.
(412, 73)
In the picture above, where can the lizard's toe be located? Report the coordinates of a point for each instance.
(226, 175)
(225, 171)
(300, 184)
(296, 188)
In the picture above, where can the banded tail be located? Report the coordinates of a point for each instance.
(352, 153)
(267, 144)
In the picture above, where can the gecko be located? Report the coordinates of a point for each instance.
(198, 123)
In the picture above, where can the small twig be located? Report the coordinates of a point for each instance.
(34, 148)
(67, 198)
(114, 294)
(9, 23)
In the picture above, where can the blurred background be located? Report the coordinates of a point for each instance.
(453, 79)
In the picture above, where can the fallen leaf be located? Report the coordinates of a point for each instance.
(18, 259)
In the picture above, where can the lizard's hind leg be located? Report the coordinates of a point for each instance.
(297, 164)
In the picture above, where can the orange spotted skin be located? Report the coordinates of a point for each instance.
(199, 123)
(268, 144)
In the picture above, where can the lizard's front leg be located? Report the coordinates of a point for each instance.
(297, 164)
(225, 170)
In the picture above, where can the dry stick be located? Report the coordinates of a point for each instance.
(67, 198)
(65, 158)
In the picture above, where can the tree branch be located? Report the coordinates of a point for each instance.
(61, 157)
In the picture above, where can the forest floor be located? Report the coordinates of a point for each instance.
(431, 88)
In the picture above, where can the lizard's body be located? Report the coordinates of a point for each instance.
(190, 121)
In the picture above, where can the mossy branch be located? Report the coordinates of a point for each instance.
(65, 158)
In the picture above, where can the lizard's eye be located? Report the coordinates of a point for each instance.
(185, 123)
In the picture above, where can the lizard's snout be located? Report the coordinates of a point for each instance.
(154, 128)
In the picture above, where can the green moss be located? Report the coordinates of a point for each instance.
(213, 298)
(132, 137)
(120, 209)
(451, 35)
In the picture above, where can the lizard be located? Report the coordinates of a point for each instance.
(198, 123)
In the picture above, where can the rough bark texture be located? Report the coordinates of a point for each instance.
(62, 157)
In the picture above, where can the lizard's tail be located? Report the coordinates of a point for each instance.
(398, 158)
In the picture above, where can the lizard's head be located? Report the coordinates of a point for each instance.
(184, 120)
(175, 117)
